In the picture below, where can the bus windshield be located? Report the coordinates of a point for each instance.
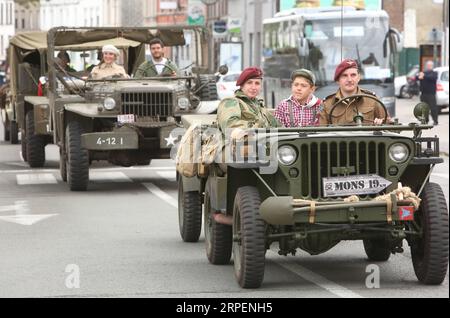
(363, 39)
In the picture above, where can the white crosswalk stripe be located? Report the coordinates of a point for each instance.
(36, 179)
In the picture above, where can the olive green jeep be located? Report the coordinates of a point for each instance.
(310, 188)
(125, 121)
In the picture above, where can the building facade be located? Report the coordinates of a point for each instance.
(6, 26)
(72, 13)
(172, 11)
(27, 16)
(246, 18)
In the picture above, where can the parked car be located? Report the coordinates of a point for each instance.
(442, 87)
(226, 86)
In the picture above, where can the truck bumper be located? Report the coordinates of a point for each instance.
(287, 211)
(121, 139)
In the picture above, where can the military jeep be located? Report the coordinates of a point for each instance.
(126, 122)
(310, 188)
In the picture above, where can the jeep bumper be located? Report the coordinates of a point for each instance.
(121, 139)
(287, 211)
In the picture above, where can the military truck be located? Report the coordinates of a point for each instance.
(23, 110)
(310, 188)
(126, 122)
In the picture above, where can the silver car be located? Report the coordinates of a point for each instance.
(442, 87)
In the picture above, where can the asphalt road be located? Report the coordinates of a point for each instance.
(122, 238)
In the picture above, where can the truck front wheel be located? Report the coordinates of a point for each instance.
(77, 163)
(35, 144)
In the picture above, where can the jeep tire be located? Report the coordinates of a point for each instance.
(35, 144)
(249, 247)
(189, 213)
(209, 91)
(77, 162)
(430, 252)
(218, 237)
(377, 250)
(13, 132)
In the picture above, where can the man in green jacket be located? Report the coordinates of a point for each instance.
(158, 64)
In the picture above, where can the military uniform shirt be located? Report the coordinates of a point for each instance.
(243, 112)
(148, 69)
(344, 112)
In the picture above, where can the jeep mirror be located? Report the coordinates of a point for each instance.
(223, 70)
(422, 112)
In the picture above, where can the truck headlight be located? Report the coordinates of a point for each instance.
(287, 155)
(183, 103)
(109, 103)
(398, 153)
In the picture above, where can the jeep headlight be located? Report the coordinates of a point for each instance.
(398, 153)
(109, 103)
(287, 155)
(183, 103)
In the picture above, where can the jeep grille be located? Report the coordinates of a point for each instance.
(147, 104)
(330, 159)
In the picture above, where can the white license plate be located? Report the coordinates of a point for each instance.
(126, 119)
(354, 185)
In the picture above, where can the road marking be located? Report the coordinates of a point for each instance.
(169, 175)
(19, 207)
(440, 175)
(95, 169)
(316, 279)
(33, 179)
(100, 176)
(26, 220)
(161, 194)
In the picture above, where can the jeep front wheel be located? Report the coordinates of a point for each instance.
(77, 163)
(189, 213)
(249, 246)
(35, 144)
(430, 252)
(218, 237)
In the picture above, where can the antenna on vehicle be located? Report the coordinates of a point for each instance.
(342, 30)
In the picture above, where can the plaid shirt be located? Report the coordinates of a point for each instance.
(304, 115)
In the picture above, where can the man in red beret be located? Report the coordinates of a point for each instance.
(347, 76)
(245, 110)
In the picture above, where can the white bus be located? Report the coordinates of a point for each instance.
(319, 39)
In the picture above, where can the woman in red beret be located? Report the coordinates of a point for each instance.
(245, 110)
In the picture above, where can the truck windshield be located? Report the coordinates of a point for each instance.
(363, 39)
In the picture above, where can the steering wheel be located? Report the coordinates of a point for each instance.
(168, 66)
(330, 116)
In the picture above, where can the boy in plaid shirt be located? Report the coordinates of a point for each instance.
(302, 108)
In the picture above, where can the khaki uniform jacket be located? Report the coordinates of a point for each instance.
(148, 69)
(344, 112)
(104, 70)
(243, 112)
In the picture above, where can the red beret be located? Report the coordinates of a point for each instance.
(345, 65)
(249, 73)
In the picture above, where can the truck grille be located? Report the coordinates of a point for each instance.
(329, 159)
(147, 104)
